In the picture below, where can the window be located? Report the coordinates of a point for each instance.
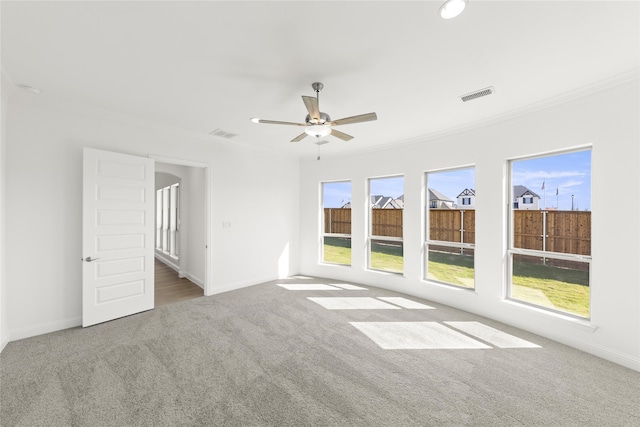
(449, 231)
(168, 220)
(336, 224)
(386, 207)
(527, 200)
(550, 246)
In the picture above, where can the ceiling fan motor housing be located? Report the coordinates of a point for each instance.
(324, 118)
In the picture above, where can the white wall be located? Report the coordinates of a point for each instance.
(195, 233)
(608, 119)
(256, 191)
(4, 329)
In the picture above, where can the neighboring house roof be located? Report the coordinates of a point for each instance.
(467, 192)
(385, 202)
(347, 205)
(396, 203)
(436, 195)
(521, 190)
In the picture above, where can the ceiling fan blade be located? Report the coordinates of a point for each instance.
(312, 106)
(343, 136)
(355, 119)
(277, 122)
(299, 137)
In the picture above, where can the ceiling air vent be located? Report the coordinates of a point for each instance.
(222, 133)
(478, 94)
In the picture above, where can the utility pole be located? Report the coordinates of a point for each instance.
(572, 202)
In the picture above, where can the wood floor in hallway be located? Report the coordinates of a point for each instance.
(170, 288)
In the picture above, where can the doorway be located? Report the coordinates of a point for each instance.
(181, 238)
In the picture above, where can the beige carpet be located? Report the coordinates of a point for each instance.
(275, 356)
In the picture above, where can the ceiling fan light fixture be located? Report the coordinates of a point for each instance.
(255, 119)
(317, 130)
(452, 8)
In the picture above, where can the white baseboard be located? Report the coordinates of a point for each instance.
(198, 281)
(168, 261)
(614, 356)
(239, 285)
(45, 328)
(3, 343)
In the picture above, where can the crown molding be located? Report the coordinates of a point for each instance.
(7, 88)
(618, 82)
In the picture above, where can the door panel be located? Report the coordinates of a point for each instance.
(118, 228)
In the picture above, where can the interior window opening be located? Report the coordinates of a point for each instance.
(550, 232)
(336, 222)
(386, 209)
(450, 227)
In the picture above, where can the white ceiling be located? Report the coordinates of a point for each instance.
(203, 65)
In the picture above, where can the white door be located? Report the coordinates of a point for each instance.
(117, 235)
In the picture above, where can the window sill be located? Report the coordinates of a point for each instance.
(330, 264)
(578, 323)
(448, 286)
(385, 272)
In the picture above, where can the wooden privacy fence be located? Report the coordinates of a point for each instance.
(566, 231)
(337, 221)
(385, 222)
(445, 225)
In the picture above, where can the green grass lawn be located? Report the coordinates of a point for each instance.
(387, 256)
(451, 268)
(337, 250)
(562, 289)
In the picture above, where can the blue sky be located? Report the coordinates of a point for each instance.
(569, 173)
(391, 187)
(452, 182)
(336, 194)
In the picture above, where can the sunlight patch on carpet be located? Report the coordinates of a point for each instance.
(349, 287)
(354, 303)
(491, 335)
(406, 303)
(309, 287)
(416, 336)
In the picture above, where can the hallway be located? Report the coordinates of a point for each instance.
(169, 288)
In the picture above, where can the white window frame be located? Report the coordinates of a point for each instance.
(168, 220)
(429, 242)
(511, 250)
(371, 237)
(323, 232)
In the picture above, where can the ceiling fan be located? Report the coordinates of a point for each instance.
(317, 123)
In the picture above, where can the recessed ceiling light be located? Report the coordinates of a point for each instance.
(31, 89)
(452, 8)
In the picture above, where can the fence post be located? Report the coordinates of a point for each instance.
(544, 236)
(461, 230)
